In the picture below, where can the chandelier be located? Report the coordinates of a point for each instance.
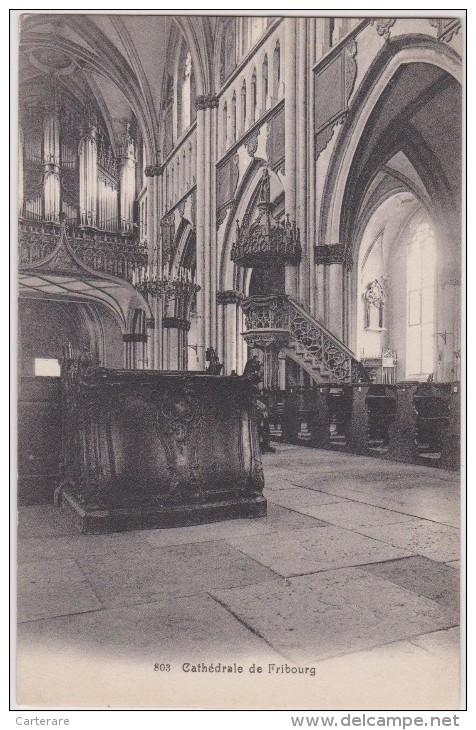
(169, 285)
(267, 241)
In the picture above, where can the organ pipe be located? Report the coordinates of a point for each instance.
(51, 160)
(88, 176)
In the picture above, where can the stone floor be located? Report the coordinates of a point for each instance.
(353, 577)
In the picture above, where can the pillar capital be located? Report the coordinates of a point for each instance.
(176, 323)
(153, 170)
(337, 253)
(206, 101)
(230, 296)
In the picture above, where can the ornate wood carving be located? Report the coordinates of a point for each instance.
(144, 448)
(47, 247)
(179, 419)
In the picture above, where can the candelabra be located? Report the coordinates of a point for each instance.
(148, 281)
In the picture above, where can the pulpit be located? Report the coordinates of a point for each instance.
(147, 449)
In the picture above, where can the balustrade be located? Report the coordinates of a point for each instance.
(115, 254)
(280, 317)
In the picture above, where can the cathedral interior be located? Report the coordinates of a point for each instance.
(194, 191)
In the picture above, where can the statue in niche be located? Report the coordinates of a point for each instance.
(215, 366)
(375, 299)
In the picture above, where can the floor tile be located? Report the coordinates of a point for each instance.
(443, 644)
(53, 588)
(355, 514)
(43, 520)
(282, 519)
(323, 615)
(189, 628)
(313, 550)
(147, 574)
(72, 546)
(295, 498)
(423, 577)
(422, 537)
(205, 533)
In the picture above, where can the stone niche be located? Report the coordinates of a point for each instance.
(146, 449)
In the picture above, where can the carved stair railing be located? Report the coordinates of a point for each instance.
(305, 339)
(115, 254)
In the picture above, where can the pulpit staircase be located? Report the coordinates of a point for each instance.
(281, 322)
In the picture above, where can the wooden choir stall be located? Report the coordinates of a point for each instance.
(147, 449)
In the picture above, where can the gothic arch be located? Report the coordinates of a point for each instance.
(198, 34)
(396, 53)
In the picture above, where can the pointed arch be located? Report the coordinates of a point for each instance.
(396, 53)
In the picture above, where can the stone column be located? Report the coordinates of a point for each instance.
(320, 298)
(51, 160)
(336, 290)
(155, 184)
(88, 175)
(282, 372)
(176, 330)
(231, 348)
(331, 281)
(290, 141)
(206, 229)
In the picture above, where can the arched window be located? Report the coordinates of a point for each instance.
(225, 125)
(233, 117)
(264, 83)
(243, 105)
(421, 274)
(276, 69)
(253, 97)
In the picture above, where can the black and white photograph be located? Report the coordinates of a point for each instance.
(239, 247)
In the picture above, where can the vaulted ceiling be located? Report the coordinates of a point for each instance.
(118, 59)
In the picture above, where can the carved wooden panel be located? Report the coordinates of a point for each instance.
(227, 180)
(144, 448)
(275, 140)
